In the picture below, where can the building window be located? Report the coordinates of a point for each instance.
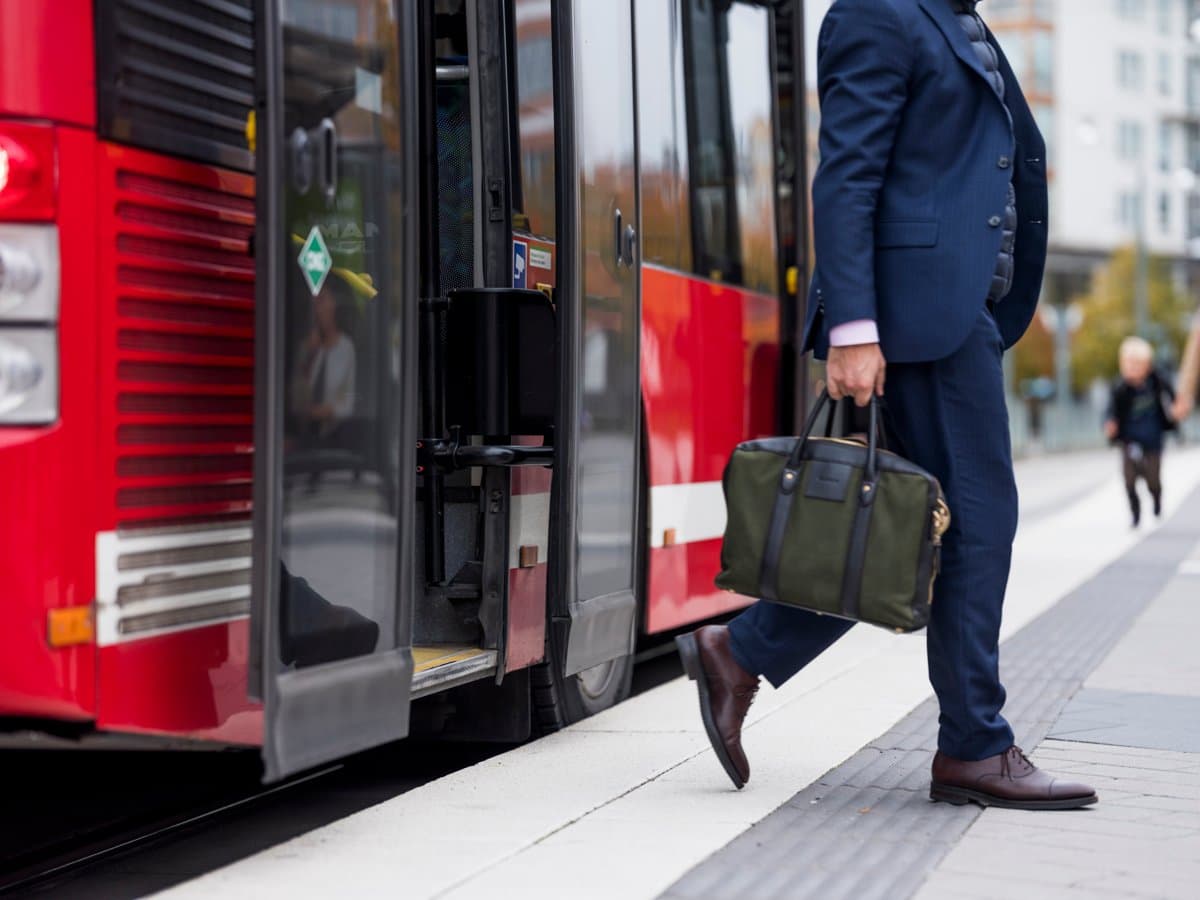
(1193, 84)
(1191, 138)
(1016, 47)
(1003, 8)
(1164, 74)
(1166, 155)
(1128, 208)
(1130, 70)
(1131, 9)
(1164, 211)
(1129, 139)
(1043, 62)
(1166, 10)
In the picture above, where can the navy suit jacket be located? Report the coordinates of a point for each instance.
(916, 154)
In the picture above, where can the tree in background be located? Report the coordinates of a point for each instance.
(1108, 317)
(1033, 356)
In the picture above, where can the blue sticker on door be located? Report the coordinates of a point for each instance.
(520, 263)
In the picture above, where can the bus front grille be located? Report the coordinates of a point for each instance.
(178, 389)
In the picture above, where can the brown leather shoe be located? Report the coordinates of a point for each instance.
(1008, 781)
(726, 692)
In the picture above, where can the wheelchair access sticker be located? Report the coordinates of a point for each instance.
(520, 263)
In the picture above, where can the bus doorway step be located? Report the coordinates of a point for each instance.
(437, 667)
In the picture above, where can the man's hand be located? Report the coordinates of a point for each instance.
(856, 371)
(1110, 429)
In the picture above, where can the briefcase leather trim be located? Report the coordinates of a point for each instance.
(856, 556)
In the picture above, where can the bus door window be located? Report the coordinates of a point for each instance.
(339, 526)
(533, 179)
(608, 411)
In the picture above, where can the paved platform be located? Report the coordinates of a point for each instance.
(632, 803)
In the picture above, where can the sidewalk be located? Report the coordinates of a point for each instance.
(867, 829)
(631, 802)
(1133, 732)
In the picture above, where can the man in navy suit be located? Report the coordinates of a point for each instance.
(929, 214)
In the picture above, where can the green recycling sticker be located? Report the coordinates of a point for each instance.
(315, 261)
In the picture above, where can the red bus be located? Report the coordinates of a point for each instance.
(354, 352)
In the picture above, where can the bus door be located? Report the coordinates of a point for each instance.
(334, 506)
(595, 542)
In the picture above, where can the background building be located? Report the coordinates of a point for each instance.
(1115, 86)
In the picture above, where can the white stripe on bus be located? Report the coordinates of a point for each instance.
(695, 512)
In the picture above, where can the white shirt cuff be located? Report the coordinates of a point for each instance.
(860, 331)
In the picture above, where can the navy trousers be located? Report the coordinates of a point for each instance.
(948, 417)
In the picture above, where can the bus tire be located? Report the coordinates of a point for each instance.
(559, 700)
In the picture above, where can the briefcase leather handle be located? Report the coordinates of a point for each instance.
(791, 471)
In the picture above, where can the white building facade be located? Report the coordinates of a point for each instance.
(1115, 85)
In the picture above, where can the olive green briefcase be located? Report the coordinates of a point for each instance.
(834, 526)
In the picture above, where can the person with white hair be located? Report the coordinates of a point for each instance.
(1138, 419)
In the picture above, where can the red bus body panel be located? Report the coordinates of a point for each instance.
(48, 475)
(49, 69)
(189, 683)
(710, 371)
(175, 377)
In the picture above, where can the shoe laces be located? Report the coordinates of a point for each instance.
(1016, 756)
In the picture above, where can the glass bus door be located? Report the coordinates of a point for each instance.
(335, 381)
(595, 562)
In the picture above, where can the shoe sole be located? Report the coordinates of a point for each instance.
(962, 796)
(689, 654)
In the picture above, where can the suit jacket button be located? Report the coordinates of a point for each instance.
(994, 221)
(1004, 162)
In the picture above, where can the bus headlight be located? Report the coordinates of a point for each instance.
(28, 376)
(29, 269)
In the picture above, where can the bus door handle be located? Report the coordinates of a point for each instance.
(624, 240)
(617, 237)
(327, 134)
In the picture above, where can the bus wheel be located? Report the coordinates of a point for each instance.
(559, 700)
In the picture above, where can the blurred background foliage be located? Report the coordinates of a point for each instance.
(1108, 317)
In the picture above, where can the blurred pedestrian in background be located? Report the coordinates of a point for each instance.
(1138, 419)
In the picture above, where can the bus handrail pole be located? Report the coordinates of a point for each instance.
(432, 314)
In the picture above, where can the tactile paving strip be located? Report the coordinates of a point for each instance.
(867, 829)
